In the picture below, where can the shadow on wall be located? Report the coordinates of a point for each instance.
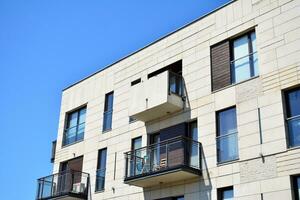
(205, 186)
(204, 192)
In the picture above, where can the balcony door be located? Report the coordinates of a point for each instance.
(66, 180)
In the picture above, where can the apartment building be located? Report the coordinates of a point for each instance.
(208, 112)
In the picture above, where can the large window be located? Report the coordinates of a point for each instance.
(108, 111)
(292, 98)
(75, 125)
(234, 60)
(101, 168)
(225, 193)
(244, 64)
(296, 187)
(227, 140)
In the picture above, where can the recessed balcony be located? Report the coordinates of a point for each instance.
(156, 97)
(67, 185)
(169, 161)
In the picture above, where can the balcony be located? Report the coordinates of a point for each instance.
(67, 185)
(172, 160)
(157, 96)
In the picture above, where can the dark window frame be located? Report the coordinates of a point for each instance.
(135, 82)
(99, 159)
(220, 192)
(107, 111)
(219, 136)
(286, 113)
(67, 121)
(250, 54)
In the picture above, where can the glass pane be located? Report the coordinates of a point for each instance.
(70, 136)
(294, 132)
(194, 157)
(227, 148)
(100, 180)
(180, 198)
(241, 65)
(254, 57)
(137, 143)
(80, 131)
(72, 120)
(293, 104)
(109, 101)
(228, 194)
(82, 113)
(107, 120)
(102, 159)
(227, 122)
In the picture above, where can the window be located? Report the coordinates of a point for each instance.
(136, 161)
(178, 198)
(101, 168)
(194, 149)
(225, 193)
(296, 187)
(227, 147)
(132, 119)
(75, 125)
(137, 81)
(244, 64)
(234, 60)
(292, 99)
(108, 111)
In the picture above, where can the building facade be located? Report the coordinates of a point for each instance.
(208, 112)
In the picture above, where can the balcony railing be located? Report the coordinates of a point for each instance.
(74, 134)
(176, 153)
(64, 184)
(175, 84)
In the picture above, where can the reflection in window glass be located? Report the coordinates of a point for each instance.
(227, 147)
(293, 116)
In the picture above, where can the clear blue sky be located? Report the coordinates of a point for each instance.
(46, 45)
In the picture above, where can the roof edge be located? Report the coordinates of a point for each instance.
(150, 44)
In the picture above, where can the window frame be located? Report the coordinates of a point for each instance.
(250, 55)
(99, 159)
(285, 104)
(220, 136)
(107, 111)
(220, 192)
(67, 122)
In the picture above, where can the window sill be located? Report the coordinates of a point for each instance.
(228, 162)
(293, 148)
(99, 191)
(108, 130)
(67, 145)
(234, 84)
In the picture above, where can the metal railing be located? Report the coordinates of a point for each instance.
(74, 134)
(175, 84)
(100, 179)
(173, 153)
(107, 120)
(227, 147)
(294, 130)
(63, 183)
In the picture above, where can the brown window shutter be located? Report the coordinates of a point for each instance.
(220, 65)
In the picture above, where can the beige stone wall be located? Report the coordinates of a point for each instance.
(277, 26)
